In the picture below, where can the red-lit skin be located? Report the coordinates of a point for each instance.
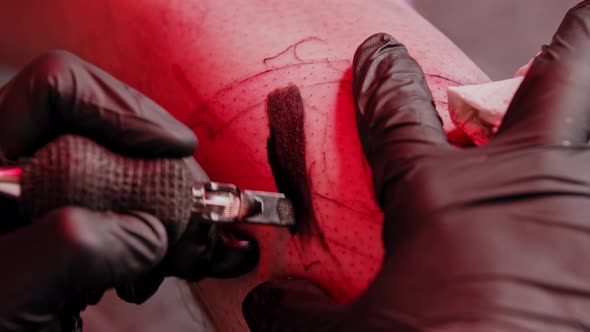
(203, 61)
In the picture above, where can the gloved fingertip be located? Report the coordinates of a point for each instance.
(379, 39)
(187, 141)
(581, 5)
(371, 46)
(180, 138)
(297, 304)
(93, 297)
(572, 39)
(139, 291)
(236, 255)
(260, 302)
(372, 62)
(271, 293)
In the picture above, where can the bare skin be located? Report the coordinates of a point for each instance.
(212, 64)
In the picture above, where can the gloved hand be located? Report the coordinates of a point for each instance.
(487, 239)
(69, 257)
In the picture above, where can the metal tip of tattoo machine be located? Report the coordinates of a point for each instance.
(10, 182)
(225, 203)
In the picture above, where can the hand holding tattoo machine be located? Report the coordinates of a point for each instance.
(73, 170)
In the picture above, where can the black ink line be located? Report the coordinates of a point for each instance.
(300, 253)
(314, 108)
(215, 130)
(335, 82)
(353, 250)
(346, 206)
(444, 78)
(293, 49)
(213, 133)
(289, 66)
(203, 107)
(308, 267)
(192, 93)
(186, 84)
(330, 63)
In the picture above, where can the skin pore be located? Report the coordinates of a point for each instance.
(215, 65)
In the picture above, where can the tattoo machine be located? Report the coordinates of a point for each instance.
(74, 170)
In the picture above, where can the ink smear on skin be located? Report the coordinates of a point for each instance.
(286, 155)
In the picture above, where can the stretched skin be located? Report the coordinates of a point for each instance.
(212, 64)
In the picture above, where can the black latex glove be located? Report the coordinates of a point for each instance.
(69, 257)
(488, 239)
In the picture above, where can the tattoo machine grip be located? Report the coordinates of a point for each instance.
(74, 170)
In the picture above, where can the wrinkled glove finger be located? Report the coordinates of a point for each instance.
(111, 248)
(140, 290)
(205, 250)
(397, 122)
(60, 93)
(68, 256)
(552, 106)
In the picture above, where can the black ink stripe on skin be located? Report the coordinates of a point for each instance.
(286, 155)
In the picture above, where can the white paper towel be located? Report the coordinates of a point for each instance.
(478, 110)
